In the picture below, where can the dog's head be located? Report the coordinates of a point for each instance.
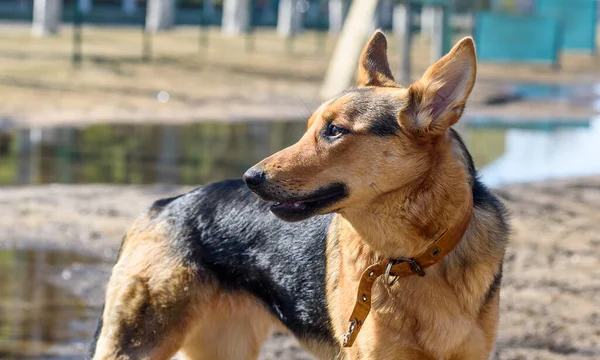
(370, 140)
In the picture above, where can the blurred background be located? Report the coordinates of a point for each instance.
(107, 105)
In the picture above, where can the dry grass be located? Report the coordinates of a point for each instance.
(219, 81)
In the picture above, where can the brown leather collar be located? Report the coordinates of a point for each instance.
(399, 268)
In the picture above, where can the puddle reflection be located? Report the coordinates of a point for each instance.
(39, 312)
(504, 150)
(140, 154)
(538, 155)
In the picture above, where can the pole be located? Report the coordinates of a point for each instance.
(406, 43)
(320, 31)
(441, 37)
(204, 26)
(250, 34)
(77, 36)
(146, 40)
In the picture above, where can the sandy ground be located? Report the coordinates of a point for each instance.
(550, 305)
(219, 81)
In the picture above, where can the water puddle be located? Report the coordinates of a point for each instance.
(46, 306)
(525, 153)
(574, 94)
(140, 154)
(504, 150)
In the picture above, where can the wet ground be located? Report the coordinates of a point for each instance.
(50, 297)
(48, 302)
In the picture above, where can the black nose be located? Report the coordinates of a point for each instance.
(254, 178)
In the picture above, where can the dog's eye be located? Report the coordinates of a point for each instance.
(334, 131)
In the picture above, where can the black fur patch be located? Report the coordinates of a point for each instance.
(230, 233)
(471, 164)
(92, 349)
(482, 196)
(379, 112)
(158, 205)
(386, 125)
(494, 287)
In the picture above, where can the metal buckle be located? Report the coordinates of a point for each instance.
(387, 275)
(351, 329)
(415, 267)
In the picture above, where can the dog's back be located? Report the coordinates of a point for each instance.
(228, 240)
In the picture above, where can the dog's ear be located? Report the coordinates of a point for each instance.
(373, 68)
(436, 101)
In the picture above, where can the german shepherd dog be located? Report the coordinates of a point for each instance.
(378, 176)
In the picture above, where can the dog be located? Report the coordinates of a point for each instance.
(379, 185)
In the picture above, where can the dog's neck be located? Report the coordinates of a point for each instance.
(404, 223)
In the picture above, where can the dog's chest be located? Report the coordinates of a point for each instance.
(413, 312)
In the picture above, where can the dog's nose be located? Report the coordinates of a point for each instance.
(254, 178)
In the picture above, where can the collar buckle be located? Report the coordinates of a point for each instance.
(415, 267)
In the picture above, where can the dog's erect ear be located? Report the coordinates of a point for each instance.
(373, 69)
(436, 101)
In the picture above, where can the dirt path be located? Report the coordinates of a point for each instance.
(551, 293)
(550, 305)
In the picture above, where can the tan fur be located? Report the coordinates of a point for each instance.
(404, 191)
(234, 328)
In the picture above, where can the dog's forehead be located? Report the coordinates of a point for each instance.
(371, 108)
(357, 102)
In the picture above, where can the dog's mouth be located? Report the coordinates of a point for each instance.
(303, 207)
